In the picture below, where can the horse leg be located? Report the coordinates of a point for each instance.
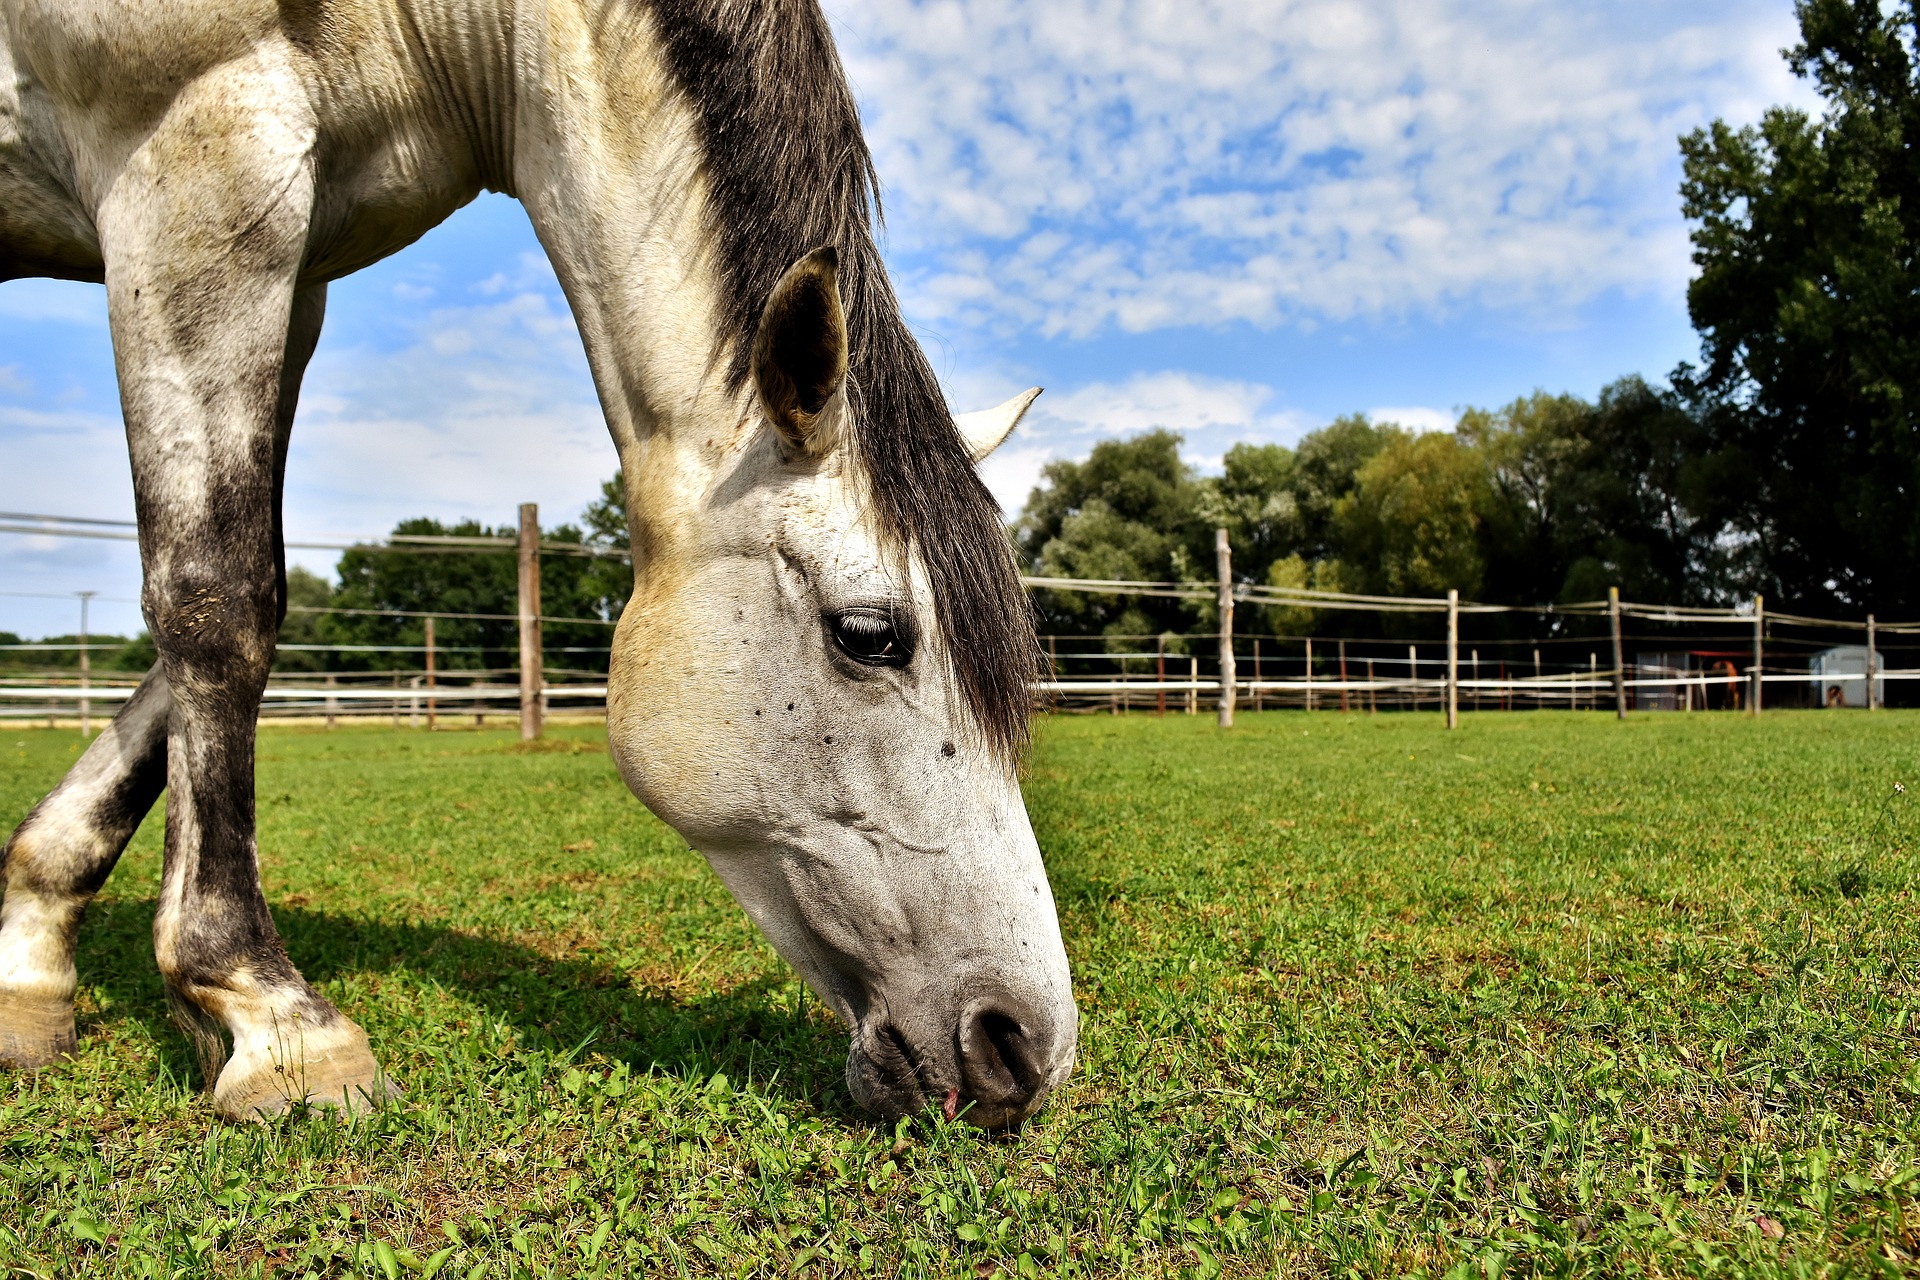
(203, 237)
(58, 858)
(55, 862)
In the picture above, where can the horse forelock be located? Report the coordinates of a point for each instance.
(787, 170)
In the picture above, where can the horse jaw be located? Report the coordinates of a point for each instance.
(985, 430)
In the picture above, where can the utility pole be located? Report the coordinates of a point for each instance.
(529, 621)
(1453, 658)
(86, 668)
(1619, 655)
(1223, 564)
(1759, 628)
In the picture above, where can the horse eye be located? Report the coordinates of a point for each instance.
(869, 636)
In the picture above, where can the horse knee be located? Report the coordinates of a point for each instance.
(217, 624)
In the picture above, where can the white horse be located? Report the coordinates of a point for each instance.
(822, 678)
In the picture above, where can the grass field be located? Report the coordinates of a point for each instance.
(1551, 994)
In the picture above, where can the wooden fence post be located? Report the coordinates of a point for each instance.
(1413, 678)
(1343, 677)
(1223, 566)
(86, 670)
(433, 704)
(1453, 658)
(1309, 673)
(1759, 627)
(1873, 665)
(529, 621)
(1160, 673)
(333, 703)
(1193, 685)
(1619, 655)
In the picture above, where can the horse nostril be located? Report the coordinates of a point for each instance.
(999, 1061)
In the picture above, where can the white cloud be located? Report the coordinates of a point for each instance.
(1416, 417)
(1175, 400)
(1087, 165)
(489, 406)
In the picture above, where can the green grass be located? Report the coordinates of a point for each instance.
(1551, 994)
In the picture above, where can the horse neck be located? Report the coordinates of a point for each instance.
(607, 161)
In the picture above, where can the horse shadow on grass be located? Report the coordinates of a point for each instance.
(554, 1004)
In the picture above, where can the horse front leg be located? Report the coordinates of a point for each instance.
(203, 238)
(60, 855)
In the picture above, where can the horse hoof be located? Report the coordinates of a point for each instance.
(35, 1032)
(333, 1070)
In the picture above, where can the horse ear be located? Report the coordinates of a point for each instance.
(985, 430)
(800, 352)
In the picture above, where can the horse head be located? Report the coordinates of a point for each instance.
(824, 706)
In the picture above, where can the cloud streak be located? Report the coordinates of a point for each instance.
(1096, 165)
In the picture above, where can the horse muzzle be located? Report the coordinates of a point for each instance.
(994, 1064)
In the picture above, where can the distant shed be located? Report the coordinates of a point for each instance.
(1840, 677)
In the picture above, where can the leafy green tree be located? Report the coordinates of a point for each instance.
(459, 582)
(1531, 451)
(1130, 511)
(1327, 468)
(305, 590)
(1254, 499)
(1411, 524)
(608, 580)
(1642, 504)
(1807, 300)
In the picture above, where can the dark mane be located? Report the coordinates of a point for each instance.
(788, 171)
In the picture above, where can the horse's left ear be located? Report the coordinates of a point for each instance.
(987, 429)
(800, 352)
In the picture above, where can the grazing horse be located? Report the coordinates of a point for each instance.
(822, 678)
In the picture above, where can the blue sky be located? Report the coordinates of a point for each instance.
(1234, 219)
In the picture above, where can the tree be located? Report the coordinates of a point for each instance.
(1643, 506)
(1130, 511)
(382, 582)
(1327, 467)
(1586, 496)
(1532, 451)
(305, 590)
(1807, 300)
(1254, 500)
(1411, 523)
(608, 580)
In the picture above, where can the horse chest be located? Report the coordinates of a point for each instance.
(377, 194)
(43, 230)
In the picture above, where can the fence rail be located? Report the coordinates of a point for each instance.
(1104, 679)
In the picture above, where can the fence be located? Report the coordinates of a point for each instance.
(1708, 658)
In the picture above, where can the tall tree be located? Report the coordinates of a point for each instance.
(1412, 523)
(1808, 306)
(1130, 511)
